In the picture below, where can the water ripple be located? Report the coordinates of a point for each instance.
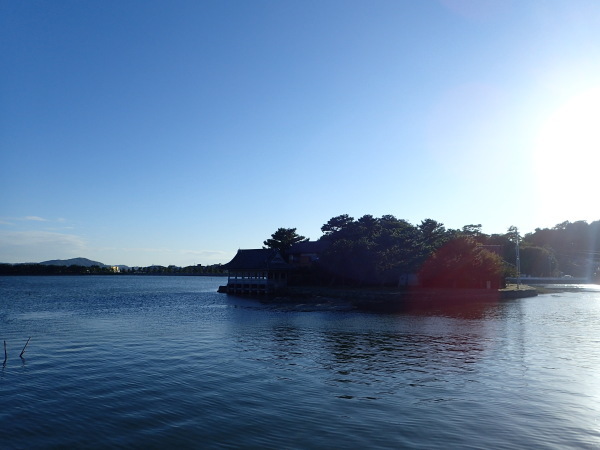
(155, 362)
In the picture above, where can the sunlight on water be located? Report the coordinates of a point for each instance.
(168, 362)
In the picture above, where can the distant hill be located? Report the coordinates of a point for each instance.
(73, 262)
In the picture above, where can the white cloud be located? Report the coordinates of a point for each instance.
(11, 220)
(40, 245)
(36, 246)
(35, 219)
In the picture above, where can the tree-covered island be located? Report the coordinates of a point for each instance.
(387, 252)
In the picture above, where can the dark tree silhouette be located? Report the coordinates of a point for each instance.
(283, 239)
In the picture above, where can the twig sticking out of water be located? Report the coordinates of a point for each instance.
(23, 351)
(5, 356)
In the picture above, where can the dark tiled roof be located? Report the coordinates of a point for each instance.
(257, 259)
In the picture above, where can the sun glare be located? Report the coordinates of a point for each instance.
(567, 156)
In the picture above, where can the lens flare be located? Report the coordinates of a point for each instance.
(566, 159)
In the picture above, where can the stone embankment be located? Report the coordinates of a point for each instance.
(386, 299)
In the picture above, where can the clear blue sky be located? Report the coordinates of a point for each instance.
(175, 132)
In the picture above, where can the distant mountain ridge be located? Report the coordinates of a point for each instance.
(73, 262)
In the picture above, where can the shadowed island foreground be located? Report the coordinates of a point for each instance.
(266, 274)
(385, 262)
(385, 299)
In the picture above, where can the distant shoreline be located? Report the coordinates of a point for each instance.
(113, 274)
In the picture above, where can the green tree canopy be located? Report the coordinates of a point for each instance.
(370, 250)
(433, 234)
(337, 224)
(283, 239)
(462, 263)
(575, 245)
(380, 250)
(538, 261)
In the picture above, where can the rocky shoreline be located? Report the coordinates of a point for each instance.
(392, 300)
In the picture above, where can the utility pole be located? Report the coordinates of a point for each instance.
(518, 259)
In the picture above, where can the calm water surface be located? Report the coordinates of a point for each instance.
(155, 362)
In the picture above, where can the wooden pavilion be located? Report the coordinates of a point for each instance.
(256, 271)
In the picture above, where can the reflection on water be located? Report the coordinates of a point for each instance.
(163, 362)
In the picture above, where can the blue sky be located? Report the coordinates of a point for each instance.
(175, 132)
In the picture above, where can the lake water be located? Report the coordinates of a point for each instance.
(157, 362)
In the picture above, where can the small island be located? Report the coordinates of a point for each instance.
(385, 262)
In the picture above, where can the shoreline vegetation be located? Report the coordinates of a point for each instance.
(35, 269)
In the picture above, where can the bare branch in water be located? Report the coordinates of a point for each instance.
(23, 351)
